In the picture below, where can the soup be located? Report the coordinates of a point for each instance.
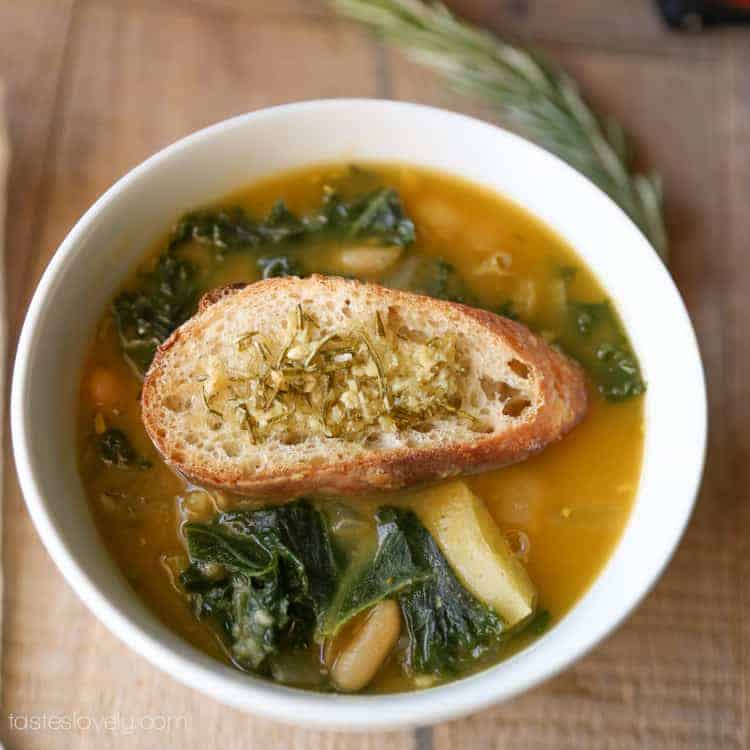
(560, 512)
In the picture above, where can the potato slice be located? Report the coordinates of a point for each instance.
(477, 550)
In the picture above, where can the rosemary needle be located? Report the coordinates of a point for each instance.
(533, 96)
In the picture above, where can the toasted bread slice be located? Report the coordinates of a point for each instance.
(329, 386)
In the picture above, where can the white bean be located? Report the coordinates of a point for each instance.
(363, 656)
(105, 387)
(367, 260)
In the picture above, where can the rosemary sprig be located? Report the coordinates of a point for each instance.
(532, 96)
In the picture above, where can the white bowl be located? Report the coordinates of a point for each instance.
(101, 250)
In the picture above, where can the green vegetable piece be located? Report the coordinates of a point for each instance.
(114, 449)
(378, 214)
(211, 544)
(236, 581)
(257, 614)
(230, 230)
(146, 316)
(375, 578)
(300, 536)
(447, 626)
(267, 576)
(540, 622)
(595, 338)
(281, 225)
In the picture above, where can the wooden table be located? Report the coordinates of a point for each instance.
(95, 86)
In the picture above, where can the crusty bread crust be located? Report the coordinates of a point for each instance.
(562, 404)
(218, 294)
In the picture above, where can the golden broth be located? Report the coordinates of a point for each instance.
(571, 502)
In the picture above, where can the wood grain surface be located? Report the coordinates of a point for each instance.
(95, 86)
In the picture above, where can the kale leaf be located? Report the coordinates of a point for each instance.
(378, 216)
(267, 576)
(447, 625)
(114, 449)
(145, 317)
(300, 534)
(540, 622)
(595, 338)
(233, 229)
(214, 544)
(376, 577)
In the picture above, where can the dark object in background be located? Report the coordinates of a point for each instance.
(693, 15)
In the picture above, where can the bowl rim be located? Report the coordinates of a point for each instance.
(307, 708)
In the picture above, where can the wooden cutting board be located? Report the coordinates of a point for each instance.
(95, 86)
